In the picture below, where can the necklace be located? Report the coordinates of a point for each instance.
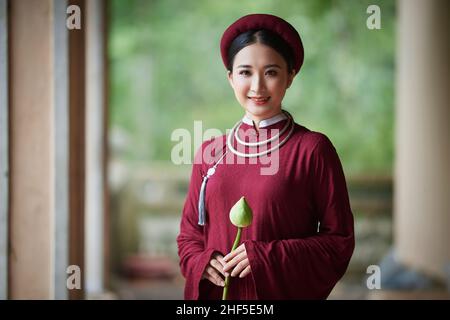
(235, 129)
(254, 144)
(212, 171)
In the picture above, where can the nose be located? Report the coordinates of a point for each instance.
(258, 84)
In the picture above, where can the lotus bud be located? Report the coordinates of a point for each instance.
(241, 214)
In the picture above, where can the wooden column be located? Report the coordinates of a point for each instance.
(77, 115)
(45, 134)
(31, 150)
(4, 151)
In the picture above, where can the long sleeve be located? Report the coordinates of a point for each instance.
(308, 268)
(191, 240)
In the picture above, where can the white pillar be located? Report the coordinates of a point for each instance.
(422, 165)
(61, 142)
(94, 222)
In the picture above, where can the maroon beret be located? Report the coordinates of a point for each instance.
(263, 21)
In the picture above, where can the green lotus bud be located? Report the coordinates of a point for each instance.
(241, 214)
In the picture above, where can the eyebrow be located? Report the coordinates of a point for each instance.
(267, 66)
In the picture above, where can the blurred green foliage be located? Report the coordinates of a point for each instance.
(166, 72)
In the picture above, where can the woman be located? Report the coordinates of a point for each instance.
(301, 238)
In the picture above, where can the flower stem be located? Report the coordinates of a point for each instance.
(227, 279)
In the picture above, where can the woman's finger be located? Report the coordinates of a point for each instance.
(246, 272)
(240, 267)
(233, 253)
(223, 263)
(214, 276)
(217, 265)
(211, 279)
(213, 272)
(233, 262)
(220, 259)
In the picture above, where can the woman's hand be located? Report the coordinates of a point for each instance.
(214, 270)
(238, 261)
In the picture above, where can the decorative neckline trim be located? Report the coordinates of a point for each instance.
(264, 152)
(265, 122)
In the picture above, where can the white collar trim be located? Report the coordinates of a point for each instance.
(266, 122)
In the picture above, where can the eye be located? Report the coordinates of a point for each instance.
(272, 73)
(244, 73)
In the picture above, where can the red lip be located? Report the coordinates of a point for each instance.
(259, 100)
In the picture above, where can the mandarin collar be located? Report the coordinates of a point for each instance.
(266, 122)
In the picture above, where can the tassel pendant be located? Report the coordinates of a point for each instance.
(201, 198)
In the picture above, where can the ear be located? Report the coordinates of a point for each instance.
(230, 78)
(291, 77)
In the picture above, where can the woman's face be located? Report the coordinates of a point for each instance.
(259, 80)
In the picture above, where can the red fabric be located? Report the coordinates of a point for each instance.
(264, 21)
(289, 257)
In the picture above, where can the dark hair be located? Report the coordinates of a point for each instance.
(265, 37)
